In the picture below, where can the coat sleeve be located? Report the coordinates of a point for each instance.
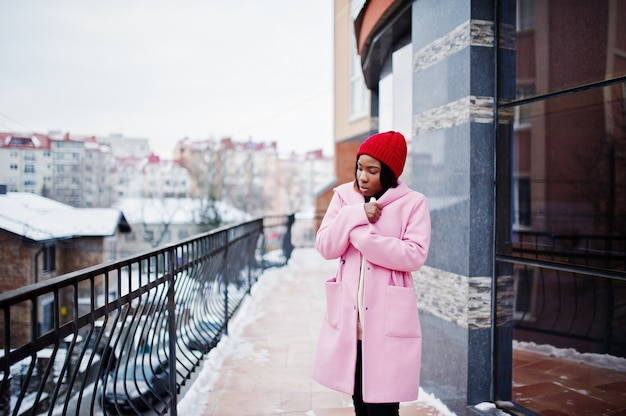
(407, 253)
(333, 237)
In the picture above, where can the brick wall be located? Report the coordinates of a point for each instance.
(79, 253)
(345, 159)
(17, 262)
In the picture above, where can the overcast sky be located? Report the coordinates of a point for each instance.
(165, 70)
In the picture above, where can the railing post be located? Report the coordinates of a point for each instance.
(287, 244)
(226, 281)
(5, 384)
(171, 311)
(250, 255)
(263, 247)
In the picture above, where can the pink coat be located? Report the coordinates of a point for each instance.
(394, 246)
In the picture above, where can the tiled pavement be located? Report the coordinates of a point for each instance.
(554, 386)
(266, 359)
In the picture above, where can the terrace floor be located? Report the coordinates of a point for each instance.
(555, 386)
(263, 366)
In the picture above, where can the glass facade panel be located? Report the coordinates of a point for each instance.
(568, 309)
(561, 205)
(569, 179)
(551, 56)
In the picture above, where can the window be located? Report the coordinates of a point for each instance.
(526, 15)
(395, 94)
(523, 113)
(395, 91)
(524, 289)
(567, 177)
(47, 315)
(49, 258)
(521, 202)
(358, 91)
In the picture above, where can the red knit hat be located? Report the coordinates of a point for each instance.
(388, 148)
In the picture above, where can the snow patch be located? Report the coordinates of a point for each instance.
(596, 360)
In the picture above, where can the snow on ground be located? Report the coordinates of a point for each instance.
(194, 401)
(596, 360)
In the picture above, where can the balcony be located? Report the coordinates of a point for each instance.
(126, 337)
(168, 332)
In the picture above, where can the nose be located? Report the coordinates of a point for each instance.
(362, 176)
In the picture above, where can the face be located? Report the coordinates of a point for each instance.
(368, 175)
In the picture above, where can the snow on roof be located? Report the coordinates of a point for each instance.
(39, 218)
(174, 210)
(24, 140)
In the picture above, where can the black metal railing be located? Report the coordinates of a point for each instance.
(569, 291)
(126, 336)
(597, 251)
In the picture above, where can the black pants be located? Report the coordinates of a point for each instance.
(368, 409)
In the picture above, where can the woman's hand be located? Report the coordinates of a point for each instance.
(373, 210)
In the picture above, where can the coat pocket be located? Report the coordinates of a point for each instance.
(401, 315)
(333, 302)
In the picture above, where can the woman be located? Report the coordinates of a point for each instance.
(370, 342)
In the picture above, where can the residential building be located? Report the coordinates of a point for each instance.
(97, 188)
(200, 158)
(314, 171)
(126, 178)
(68, 161)
(241, 174)
(254, 176)
(70, 169)
(42, 238)
(85, 171)
(165, 178)
(80, 170)
(149, 177)
(126, 147)
(514, 115)
(26, 162)
(246, 175)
